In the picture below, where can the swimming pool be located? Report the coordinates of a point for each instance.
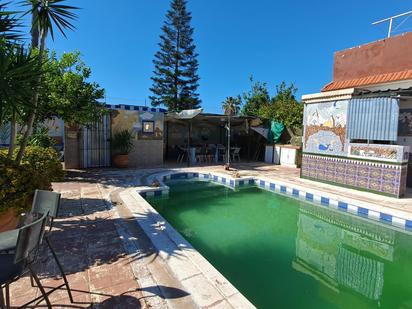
(282, 252)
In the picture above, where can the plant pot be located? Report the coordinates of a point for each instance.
(8, 220)
(121, 161)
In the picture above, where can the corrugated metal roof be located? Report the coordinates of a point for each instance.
(369, 80)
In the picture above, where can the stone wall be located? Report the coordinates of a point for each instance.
(146, 153)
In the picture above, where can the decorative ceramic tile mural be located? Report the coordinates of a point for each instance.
(395, 153)
(374, 152)
(405, 122)
(378, 177)
(5, 135)
(133, 120)
(55, 127)
(325, 128)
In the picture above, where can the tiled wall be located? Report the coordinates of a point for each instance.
(377, 177)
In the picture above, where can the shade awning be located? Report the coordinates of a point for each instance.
(373, 119)
(186, 114)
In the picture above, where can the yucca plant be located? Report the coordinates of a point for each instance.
(9, 24)
(122, 142)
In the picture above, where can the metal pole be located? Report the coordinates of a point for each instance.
(390, 19)
(390, 27)
(228, 144)
(189, 153)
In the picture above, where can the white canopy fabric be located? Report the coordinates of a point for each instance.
(186, 114)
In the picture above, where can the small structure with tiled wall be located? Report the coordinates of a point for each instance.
(146, 125)
(89, 146)
(358, 129)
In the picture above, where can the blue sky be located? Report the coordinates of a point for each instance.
(271, 40)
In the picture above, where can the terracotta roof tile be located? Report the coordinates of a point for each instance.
(368, 80)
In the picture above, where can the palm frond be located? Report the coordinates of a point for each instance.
(20, 71)
(49, 13)
(9, 24)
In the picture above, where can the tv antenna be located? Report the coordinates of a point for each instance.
(390, 19)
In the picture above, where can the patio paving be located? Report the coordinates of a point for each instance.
(101, 272)
(109, 260)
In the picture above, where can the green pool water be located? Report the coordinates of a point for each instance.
(283, 253)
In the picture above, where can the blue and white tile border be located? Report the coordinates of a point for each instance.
(136, 108)
(396, 218)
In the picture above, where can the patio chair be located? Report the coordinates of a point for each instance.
(221, 153)
(49, 202)
(181, 152)
(15, 265)
(235, 154)
(210, 153)
(201, 154)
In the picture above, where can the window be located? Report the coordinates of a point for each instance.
(148, 126)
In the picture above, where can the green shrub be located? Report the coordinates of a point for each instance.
(122, 142)
(45, 161)
(39, 168)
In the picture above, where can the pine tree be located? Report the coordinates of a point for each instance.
(175, 79)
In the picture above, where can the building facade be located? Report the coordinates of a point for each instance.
(358, 129)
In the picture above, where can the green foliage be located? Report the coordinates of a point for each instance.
(122, 142)
(41, 138)
(284, 107)
(231, 105)
(38, 169)
(45, 161)
(254, 99)
(175, 79)
(19, 71)
(66, 92)
(45, 15)
(9, 24)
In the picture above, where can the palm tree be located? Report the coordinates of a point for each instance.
(46, 14)
(231, 107)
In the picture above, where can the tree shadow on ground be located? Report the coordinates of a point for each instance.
(83, 242)
(130, 299)
(94, 242)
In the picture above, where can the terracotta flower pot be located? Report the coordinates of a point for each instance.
(121, 161)
(8, 220)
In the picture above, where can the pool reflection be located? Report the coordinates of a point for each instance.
(342, 254)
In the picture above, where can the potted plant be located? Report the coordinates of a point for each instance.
(122, 145)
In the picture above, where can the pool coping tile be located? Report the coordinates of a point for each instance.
(285, 188)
